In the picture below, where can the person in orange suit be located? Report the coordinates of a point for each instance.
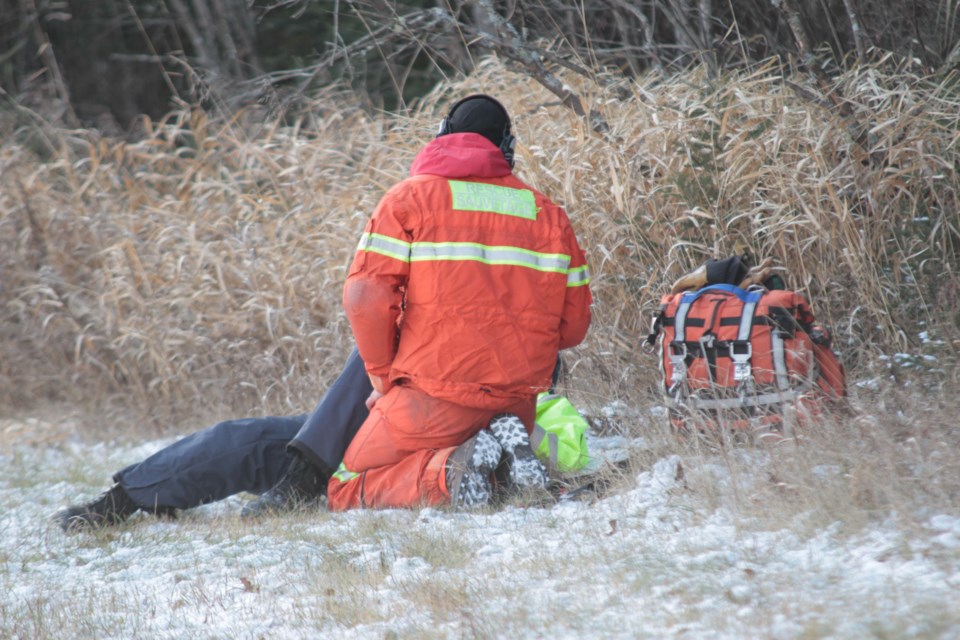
(465, 285)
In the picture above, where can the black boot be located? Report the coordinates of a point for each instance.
(111, 508)
(303, 484)
(525, 471)
(469, 469)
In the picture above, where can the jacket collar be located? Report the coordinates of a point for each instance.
(460, 155)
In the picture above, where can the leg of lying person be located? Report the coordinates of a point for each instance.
(334, 422)
(287, 460)
(211, 464)
(319, 445)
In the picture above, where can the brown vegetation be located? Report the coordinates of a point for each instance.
(196, 271)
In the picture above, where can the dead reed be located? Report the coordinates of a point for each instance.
(195, 270)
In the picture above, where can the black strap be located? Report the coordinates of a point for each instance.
(721, 348)
(691, 322)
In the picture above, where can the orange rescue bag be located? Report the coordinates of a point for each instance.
(743, 359)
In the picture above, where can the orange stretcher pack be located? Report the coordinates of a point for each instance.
(743, 358)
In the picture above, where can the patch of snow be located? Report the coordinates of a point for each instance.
(652, 561)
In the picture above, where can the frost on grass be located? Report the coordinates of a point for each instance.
(649, 561)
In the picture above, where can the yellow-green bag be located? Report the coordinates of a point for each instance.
(559, 435)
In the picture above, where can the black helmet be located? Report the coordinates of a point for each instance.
(484, 115)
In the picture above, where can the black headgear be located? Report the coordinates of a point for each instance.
(481, 114)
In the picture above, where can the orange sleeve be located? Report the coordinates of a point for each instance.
(577, 300)
(373, 293)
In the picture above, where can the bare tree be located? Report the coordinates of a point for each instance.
(134, 56)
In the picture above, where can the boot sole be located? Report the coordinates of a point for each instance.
(469, 468)
(525, 469)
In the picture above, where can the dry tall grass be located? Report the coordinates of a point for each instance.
(195, 271)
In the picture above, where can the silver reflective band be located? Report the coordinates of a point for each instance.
(578, 276)
(554, 262)
(436, 251)
(491, 198)
(385, 245)
(553, 443)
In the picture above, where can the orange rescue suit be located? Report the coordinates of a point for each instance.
(464, 287)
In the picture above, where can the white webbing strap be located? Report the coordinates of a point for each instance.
(746, 319)
(741, 360)
(677, 350)
(761, 400)
(779, 359)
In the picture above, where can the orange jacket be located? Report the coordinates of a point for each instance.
(466, 282)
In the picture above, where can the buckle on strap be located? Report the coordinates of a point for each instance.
(706, 341)
(740, 353)
(678, 357)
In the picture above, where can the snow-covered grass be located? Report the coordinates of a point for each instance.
(692, 542)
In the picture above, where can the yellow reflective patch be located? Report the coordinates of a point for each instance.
(345, 475)
(479, 196)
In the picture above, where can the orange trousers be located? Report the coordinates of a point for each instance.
(398, 457)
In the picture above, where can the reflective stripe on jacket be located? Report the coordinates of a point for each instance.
(487, 272)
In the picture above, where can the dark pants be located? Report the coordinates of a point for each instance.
(251, 454)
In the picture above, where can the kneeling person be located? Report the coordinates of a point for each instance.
(465, 285)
